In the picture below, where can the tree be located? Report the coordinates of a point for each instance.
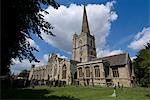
(20, 20)
(142, 66)
(24, 74)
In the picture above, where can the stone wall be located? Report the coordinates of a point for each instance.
(53, 71)
(92, 79)
(83, 47)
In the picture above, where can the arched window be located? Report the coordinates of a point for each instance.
(48, 77)
(80, 42)
(40, 76)
(80, 72)
(55, 69)
(81, 51)
(115, 72)
(87, 69)
(75, 75)
(91, 42)
(64, 70)
(91, 52)
(43, 71)
(80, 59)
(97, 71)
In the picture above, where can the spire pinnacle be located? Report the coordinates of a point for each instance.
(85, 26)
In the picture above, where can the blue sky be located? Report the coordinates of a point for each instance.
(133, 16)
(127, 28)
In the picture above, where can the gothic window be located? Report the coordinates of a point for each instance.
(64, 70)
(91, 43)
(34, 76)
(81, 51)
(48, 77)
(55, 69)
(87, 71)
(75, 75)
(80, 59)
(91, 52)
(97, 71)
(43, 73)
(40, 76)
(115, 72)
(80, 42)
(106, 69)
(80, 72)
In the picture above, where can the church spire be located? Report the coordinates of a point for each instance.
(85, 26)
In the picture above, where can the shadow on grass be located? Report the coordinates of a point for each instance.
(38, 94)
(147, 95)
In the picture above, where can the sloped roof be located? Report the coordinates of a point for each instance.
(116, 59)
(119, 59)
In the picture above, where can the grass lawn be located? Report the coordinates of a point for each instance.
(76, 93)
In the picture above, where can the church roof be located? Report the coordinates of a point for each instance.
(119, 59)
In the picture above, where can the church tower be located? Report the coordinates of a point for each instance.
(84, 44)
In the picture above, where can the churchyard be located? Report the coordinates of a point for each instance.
(76, 93)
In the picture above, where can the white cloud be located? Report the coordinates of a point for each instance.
(107, 52)
(33, 43)
(45, 58)
(61, 56)
(140, 39)
(68, 20)
(110, 4)
(18, 66)
(132, 58)
(25, 64)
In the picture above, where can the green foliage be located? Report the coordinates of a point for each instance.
(20, 20)
(142, 66)
(24, 74)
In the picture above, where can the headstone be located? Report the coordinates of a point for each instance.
(114, 94)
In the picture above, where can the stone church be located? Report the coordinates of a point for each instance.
(85, 68)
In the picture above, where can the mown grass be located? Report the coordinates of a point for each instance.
(76, 93)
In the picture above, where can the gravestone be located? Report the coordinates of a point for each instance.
(114, 93)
